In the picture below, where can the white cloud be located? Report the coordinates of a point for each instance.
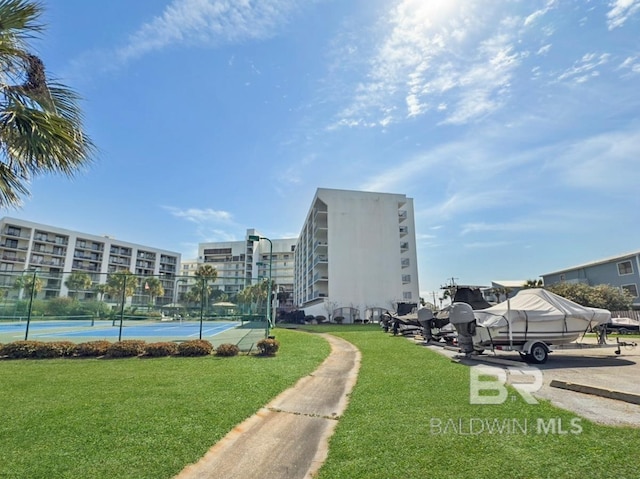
(209, 22)
(200, 216)
(585, 67)
(434, 54)
(601, 161)
(621, 11)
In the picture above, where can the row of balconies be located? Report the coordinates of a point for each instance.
(12, 245)
(91, 257)
(42, 261)
(15, 232)
(53, 252)
(92, 246)
(16, 259)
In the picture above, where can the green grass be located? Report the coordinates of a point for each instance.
(148, 418)
(387, 430)
(135, 418)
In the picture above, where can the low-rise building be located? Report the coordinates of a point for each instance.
(621, 271)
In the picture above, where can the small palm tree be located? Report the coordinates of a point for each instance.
(78, 281)
(40, 121)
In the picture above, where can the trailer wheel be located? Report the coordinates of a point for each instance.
(539, 353)
(623, 331)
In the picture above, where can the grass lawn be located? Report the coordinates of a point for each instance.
(135, 418)
(409, 416)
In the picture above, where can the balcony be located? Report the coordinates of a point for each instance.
(16, 259)
(402, 215)
(320, 259)
(405, 263)
(404, 231)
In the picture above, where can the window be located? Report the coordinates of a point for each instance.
(406, 295)
(406, 278)
(625, 268)
(632, 289)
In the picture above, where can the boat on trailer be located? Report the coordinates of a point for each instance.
(532, 322)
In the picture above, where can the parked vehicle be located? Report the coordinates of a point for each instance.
(623, 325)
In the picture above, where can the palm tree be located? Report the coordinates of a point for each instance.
(153, 287)
(78, 281)
(40, 120)
(121, 285)
(532, 283)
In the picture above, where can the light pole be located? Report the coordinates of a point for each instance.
(258, 238)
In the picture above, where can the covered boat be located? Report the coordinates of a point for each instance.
(532, 315)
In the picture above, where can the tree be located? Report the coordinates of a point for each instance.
(201, 290)
(40, 120)
(600, 296)
(119, 283)
(78, 281)
(100, 290)
(30, 283)
(153, 287)
(532, 283)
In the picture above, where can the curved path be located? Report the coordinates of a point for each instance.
(288, 438)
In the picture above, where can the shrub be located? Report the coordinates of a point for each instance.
(227, 350)
(19, 349)
(268, 347)
(92, 348)
(339, 319)
(161, 349)
(54, 349)
(195, 347)
(126, 349)
(309, 317)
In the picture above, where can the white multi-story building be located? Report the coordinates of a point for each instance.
(356, 255)
(52, 252)
(242, 263)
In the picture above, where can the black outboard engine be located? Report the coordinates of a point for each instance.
(425, 318)
(462, 318)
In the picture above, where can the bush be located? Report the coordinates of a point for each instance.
(92, 348)
(227, 350)
(157, 350)
(309, 317)
(195, 347)
(268, 347)
(126, 349)
(54, 349)
(321, 319)
(19, 349)
(339, 319)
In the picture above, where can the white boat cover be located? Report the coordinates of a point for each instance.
(538, 305)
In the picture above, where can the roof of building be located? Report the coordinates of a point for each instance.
(595, 263)
(508, 283)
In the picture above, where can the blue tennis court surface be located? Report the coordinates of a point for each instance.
(52, 330)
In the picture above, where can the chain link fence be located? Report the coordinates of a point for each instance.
(80, 301)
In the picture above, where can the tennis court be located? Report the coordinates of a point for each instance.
(244, 334)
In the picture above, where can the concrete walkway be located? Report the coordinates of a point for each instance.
(288, 438)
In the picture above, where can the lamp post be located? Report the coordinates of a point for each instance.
(258, 238)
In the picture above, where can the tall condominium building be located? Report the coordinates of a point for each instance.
(242, 263)
(356, 255)
(54, 251)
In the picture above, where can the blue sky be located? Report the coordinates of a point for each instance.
(514, 125)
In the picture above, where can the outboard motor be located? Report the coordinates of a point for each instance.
(425, 318)
(462, 318)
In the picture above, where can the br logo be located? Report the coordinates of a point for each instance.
(487, 384)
